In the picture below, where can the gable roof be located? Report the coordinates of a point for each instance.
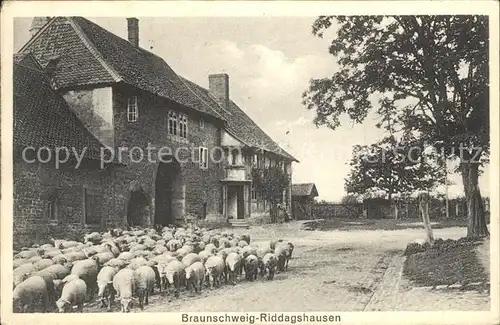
(89, 55)
(42, 118)
(239, 124)
(304, 189)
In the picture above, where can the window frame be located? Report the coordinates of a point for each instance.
(203, 154)
(131, 105)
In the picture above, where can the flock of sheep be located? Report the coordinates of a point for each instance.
(129, 264)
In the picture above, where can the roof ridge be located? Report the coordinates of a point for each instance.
(92, 49)
(204, 102)
(210, 95)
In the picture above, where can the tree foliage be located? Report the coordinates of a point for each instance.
(272, 182)
(426, 76)
(392, 168)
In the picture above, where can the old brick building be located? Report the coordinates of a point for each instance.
(126, 102)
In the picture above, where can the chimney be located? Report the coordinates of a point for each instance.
(133, 31)
(218, 86)
(36, 24)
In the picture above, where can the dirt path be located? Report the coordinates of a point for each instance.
(330, 271)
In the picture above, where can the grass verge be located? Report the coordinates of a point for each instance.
(447, 262)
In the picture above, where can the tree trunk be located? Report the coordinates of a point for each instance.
(476, 225)
(396, 210)
(424, 209)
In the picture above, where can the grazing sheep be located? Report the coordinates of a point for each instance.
(117, 263)
(126, 256)
(173, 245)
(22, 273)
(269, 262)
(144, 283)
(175, 274)
(73, 294)
(29, 294)
(215, 269)
(26, 254)
(242, 243)
(246, 238)
(191, 258)
(251, 267)
(18, 262)
(281, 253)
(195, 275)
(211, 248)
(233, 265)
(204, 255)
(106, 292)
(137, 262)
(87, 271)
(124, 285)
(102, 258)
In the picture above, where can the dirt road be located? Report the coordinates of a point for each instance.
(330, 271)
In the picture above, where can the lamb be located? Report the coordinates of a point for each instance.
(233, 264)
(175, 274)
(105, 286)
(29, 294)
(73, 294)
(251, 267)
(144, 282)
(269, 263)
(215, 269)
(124, 285)
(195, 275)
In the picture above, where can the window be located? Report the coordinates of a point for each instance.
(254, 194)
(172, 123)
(203, 157)
(92, 206)
(202, 123)
(177, 124)
(53, 207)
(183, 126)
(254, 160)
(132, 109)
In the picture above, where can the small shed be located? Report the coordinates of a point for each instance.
(303, 199)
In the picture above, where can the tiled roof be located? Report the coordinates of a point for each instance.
(240, 124)
(42, 117)
(89, 54)
(304, 189)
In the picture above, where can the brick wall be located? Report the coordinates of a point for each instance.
(201, 185)
(33, 185)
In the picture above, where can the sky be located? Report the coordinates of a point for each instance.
(270, 61)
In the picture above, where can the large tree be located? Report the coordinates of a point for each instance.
(430, 76)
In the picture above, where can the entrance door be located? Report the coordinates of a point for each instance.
(241, 203)
(167, 178)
